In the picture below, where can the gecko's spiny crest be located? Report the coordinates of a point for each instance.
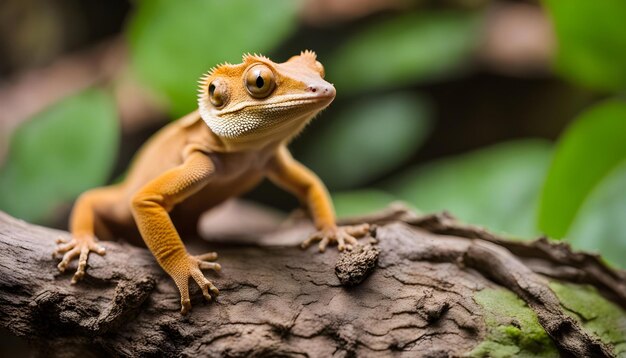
(259, 98)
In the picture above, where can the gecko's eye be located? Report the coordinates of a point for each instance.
(259, 81)
(218, 94)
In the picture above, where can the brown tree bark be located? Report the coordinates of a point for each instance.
(415, 298)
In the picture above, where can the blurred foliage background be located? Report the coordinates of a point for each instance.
(508, 114)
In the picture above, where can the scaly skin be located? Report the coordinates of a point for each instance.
(247, 115)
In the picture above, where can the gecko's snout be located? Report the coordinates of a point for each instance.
(322, 90)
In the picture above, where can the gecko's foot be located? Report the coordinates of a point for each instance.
(193, 266)
(77, 246)
(344, 236)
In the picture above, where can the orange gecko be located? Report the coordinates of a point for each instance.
(247, 115)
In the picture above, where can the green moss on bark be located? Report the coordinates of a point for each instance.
(513, 328)
(598, 315)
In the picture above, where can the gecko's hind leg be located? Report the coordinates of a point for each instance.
(87, 213)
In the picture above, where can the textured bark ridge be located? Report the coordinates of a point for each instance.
(410, 294)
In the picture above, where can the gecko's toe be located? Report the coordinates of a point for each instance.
(203, 282)
(67, 258)
(98, 249)
(312, 238)
(63, 247)
(61, 240)
(203, 261)
(185, 306)
(209, 256)
(358, 230)
(82, 263)
(209, 266)
(209, 290)
(323, 244)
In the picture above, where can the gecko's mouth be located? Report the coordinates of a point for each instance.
(305, 100)
(306, 103)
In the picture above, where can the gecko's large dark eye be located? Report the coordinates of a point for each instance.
(218, 94)
(259, 81)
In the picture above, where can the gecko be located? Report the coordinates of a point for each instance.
(247, 115)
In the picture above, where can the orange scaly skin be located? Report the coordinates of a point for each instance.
(247, 115)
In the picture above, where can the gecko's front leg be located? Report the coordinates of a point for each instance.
(150, 209)
(286, 172)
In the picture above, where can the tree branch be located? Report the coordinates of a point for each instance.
(277, 299)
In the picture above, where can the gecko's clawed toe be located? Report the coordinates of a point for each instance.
(185, 306)
(61, 240)
(67, 258)
(209, 256)
(210, 266)
(323, 243)
(358, 230)
(203, 261)
(209, 290)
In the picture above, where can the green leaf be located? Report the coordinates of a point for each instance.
(174, 43)
(66, 149)
(600, 224)
(406, 49)
(497, 187)
(588, 150)
(368, 139)
(360, 202)
(591, 41)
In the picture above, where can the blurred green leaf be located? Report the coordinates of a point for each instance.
(368, 139)
(497, 187)
(360, 202)
(601, 226)
(173, 43)
(403, 50)
(589, 149)
(59, 153)
(591, 41)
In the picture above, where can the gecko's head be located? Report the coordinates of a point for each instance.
(259, 100)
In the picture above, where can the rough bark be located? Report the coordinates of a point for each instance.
(278, 300)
